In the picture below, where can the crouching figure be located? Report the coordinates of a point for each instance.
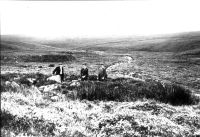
(102, 75)
(84, 73)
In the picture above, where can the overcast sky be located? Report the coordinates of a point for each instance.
(51, 19)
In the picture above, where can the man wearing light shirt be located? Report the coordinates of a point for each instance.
(59, 70)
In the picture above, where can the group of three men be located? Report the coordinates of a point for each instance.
(102, 74)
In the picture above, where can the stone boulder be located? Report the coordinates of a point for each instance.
(54, 98)
(32, 80)
(49, 88)
(56, 78)
(7, 83)
(75, 83)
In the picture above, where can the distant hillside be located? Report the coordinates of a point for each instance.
(162, 43)
(23, 46)
(10, 43)
(168, 43)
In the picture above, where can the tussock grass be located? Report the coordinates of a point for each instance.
(120, 89)
(131, 90)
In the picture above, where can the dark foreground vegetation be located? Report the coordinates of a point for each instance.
(120, 89)
(131, 90)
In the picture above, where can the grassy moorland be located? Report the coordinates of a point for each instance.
(118, 107)
(148, 93)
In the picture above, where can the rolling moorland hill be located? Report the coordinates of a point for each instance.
(21, 46)
(169, 43)
(181, 42)
(14, 43)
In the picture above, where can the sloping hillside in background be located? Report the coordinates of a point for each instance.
(169, 43)
(179, 42)
(23, 46)
(163, 43)
(14, 43)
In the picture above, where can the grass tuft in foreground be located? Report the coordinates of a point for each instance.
(131, 90)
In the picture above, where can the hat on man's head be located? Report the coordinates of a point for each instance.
(84, 64)
(60, 64)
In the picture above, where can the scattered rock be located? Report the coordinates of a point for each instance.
(32, 80)
(41, 88)
(75, 83)
(7, 83)
(48, 88)
(55, 98)
(16, 78)
(56, 78)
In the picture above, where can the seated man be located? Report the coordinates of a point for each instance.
(102, 75)
(84, 73)
(59, 70)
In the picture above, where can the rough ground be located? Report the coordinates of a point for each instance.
(31, 113)
(96, 118)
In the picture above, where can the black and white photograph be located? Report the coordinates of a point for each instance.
(100, 68)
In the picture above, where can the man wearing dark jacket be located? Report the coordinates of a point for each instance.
(84, 73)
(102, 75)
(59, 70)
